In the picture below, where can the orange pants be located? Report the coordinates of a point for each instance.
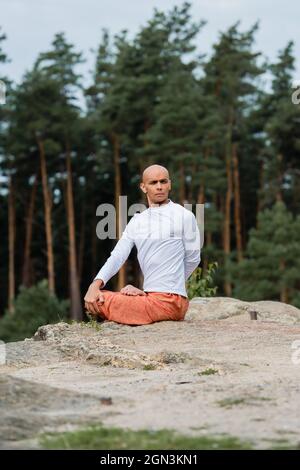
(143, 309)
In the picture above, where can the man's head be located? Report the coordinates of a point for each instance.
(156, 184)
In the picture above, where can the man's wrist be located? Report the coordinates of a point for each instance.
(98, 282)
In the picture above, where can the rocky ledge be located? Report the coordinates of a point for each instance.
(230, 367)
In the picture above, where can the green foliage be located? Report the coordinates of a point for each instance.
(99, 437)
(154, 99)
(281, 124)
(201, 286)
(34, 306)
(271, 270)
(209, 371)
(243, 400)
(149, 367)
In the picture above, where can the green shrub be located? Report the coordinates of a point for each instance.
(201, 286)
(33, 307)
(97, 437)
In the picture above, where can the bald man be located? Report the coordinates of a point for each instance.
(167, 239)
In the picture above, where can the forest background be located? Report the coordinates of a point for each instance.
(229, 141)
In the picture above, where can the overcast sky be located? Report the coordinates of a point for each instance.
(31, 24)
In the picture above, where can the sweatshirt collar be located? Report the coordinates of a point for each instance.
(168, 204)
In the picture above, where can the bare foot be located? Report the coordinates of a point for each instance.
(131, 290)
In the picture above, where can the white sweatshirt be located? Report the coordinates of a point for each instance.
(167, 239)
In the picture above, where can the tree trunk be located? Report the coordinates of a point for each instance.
(260, 192)
(205, 261)
(181, 183)
(284, 296)
(94, 252)
(76, 307)
(201, 193)
(191, 185)
(237, 203)
(26, 273)
(208, 235)
(200, 198)
(279, 178)
(81, 243)
(11, 246)
(227, 209)
(118, 191)
(48, 217)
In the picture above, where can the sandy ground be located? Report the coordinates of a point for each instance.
(151, 377)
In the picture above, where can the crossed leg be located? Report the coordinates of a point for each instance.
(131, 308)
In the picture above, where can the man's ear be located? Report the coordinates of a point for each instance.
(142, 186)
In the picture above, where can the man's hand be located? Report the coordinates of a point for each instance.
(93, 297)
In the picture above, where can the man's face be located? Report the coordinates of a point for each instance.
(156, 185)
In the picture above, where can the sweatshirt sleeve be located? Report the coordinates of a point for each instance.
(118, 255)
(191, 242)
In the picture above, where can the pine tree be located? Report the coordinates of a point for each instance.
(30, 135)
(230, 78)
(271, 270)
(281, 170)
(5, 84)
(175, 135)
(58, 64)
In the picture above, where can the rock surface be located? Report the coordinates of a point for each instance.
(216, 372)
(223, 308)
